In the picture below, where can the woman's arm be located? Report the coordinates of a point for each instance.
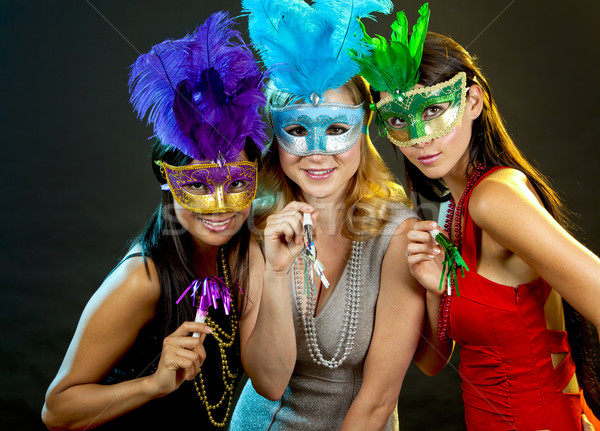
(108, 327)
(432, 354)
(268, 339)
(425, 262)
(507, 209)
(399, 319)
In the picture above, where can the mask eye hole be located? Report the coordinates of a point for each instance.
(197, 188)
(296, 130)
(238, 186)
(435, 111)
(337, 129)
(396, 122)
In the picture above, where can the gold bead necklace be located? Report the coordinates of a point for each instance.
(224, 341)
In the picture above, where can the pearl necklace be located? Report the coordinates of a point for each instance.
(225, 340)
(348, 332)
(455, 213)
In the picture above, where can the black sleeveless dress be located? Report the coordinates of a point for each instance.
(183, 407)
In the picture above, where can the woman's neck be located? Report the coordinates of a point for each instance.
(456, 185)
(331, 212)
(205, 259)
(457, 178)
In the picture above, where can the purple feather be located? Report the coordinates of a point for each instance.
(198, 90)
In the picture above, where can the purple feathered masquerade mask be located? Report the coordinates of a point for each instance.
(202, 92)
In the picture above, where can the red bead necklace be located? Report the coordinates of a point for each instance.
(455, 213)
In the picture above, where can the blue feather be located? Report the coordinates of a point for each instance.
(307, 48)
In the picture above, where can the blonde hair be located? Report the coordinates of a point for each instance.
(373, 190)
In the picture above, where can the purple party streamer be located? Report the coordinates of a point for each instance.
(211, 289)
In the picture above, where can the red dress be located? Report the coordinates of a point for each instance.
(508, 380)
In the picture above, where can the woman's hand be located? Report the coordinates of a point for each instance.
(181, 357)
(284, 236)
(269, 348)
(586, 424)
(109, 326)
(425, 256)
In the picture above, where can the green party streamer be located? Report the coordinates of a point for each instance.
(452, 261)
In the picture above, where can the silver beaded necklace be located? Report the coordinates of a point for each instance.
(348, 332)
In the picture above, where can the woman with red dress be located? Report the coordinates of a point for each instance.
(527, 275)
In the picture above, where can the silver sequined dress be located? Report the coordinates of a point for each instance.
(318, 398)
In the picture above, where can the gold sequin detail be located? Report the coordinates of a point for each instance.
(459, 79)
(218, 202)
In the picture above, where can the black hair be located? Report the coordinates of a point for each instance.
(170, 247)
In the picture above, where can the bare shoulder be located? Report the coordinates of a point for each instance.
(501, 184)
(136, 277)
(256, 260)
(110, 322)
(132, 289)
(502, 193)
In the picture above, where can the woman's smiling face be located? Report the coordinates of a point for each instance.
(212, 229)
(323, 175)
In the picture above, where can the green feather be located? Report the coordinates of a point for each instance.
(394, 66)
(419, 32)
(400, 29)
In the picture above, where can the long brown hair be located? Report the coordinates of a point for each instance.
(492, 145)
(490, 142)
(372, 190)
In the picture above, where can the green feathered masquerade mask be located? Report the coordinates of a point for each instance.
(410, 115)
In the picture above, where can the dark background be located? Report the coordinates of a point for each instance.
(76, 178)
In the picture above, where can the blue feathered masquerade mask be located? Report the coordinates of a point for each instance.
(307, 47)
(202, 93)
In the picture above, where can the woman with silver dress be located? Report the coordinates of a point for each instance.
(340, 315)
